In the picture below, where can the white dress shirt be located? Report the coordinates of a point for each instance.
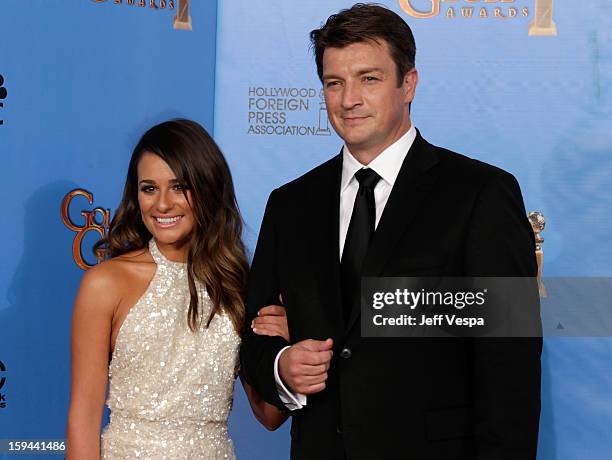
(387, 165)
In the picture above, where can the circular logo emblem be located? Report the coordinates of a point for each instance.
(3, 91)
(2, 379)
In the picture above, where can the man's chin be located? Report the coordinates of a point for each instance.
(358, 144)
(356, 139)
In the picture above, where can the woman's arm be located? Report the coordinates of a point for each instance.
(90, 347)
(271, 320)
(267, 414)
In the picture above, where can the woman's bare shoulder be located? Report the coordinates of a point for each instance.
(112, 276)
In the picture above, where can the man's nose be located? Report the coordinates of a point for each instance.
(351, 96)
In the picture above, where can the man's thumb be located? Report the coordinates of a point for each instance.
(318, 345)
(326, 344)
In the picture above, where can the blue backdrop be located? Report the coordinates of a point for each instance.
(83, 79)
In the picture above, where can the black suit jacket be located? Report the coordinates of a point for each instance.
(400, 398)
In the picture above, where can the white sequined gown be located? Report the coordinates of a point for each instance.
(170, 390)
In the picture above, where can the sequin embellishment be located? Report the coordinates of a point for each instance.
(170, 389)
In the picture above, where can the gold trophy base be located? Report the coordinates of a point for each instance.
(182, 25)
(541, 287)
(549, 31)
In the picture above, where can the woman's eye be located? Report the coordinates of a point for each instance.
(180, 187)
(147, 189)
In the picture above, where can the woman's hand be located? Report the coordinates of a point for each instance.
(272, 321)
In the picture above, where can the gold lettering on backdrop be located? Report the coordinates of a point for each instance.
(182, 19)
(543, 23)
(467, 11)
(409, 8)
(406, 5)
(90, 224)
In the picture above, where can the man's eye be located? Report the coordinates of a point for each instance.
(329, 84)
(369, 78)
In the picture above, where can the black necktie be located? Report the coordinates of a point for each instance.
(358, 237)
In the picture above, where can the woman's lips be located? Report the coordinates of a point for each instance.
(167, 222)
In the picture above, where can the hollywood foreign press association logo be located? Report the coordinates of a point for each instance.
(542, 23)
(3, 94)
(182, 18)
(287, 111)
(2, 382)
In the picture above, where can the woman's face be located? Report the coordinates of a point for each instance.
(164, 203)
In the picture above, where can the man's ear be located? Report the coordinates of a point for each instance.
(411, 79)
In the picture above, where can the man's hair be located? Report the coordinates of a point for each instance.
(366, 22)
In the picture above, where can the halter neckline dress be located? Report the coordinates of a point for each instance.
(171, 389)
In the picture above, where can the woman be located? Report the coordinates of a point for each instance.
(167, 309)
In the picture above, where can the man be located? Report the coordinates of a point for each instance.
(390, 204)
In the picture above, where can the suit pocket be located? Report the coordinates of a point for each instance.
(450, 423)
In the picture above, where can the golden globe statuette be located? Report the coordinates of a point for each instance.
(543, 23)
(537, 221)
(182, 19)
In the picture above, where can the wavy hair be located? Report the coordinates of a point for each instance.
(216, 255)
(366, 22)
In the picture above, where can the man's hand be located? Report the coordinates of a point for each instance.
(303, 366)
(271, 320)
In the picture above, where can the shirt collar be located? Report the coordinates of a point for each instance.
(386, 165)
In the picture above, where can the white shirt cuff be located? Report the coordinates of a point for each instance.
(291, 400)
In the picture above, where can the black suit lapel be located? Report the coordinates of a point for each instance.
(325, 200)
(411, 186)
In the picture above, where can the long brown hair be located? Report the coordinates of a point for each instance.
(216, 255)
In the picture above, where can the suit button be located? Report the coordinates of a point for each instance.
(346, 353)
(339, 429)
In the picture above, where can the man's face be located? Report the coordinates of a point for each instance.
(366, 107)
